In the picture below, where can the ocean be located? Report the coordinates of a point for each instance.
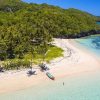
(78, 87)
(98, 23)
(92, 43)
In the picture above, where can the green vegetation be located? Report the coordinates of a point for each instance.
(15, 64)
(27, 29)
(12, 64)
(52, 53)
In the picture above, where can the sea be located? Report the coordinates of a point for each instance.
(98, 23)
(78, 87)
(91, 43)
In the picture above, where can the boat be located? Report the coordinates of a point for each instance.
(50, 76)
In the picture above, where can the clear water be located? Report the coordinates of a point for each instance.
(92, 43)
(83, 87)
(77, 87)
(98, 23)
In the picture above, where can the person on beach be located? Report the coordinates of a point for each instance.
(63, 83)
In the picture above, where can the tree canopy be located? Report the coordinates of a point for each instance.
(20, 23)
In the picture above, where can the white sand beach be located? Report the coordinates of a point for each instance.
(75, 61)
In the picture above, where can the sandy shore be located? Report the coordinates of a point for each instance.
(75, 61)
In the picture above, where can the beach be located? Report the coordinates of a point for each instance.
(76, 61)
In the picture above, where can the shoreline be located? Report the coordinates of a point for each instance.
(76, 63)
(72, 41)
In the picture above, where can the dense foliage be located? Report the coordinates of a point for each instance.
(22, 24)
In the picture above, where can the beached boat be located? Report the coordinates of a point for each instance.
(50, 76)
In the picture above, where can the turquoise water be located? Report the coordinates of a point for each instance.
(92, 43)
(76, 87)
(82, 87)
(98, 23)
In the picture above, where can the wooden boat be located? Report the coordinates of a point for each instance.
(50, 76)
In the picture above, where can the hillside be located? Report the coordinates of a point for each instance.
(21, 22)
(56, 20)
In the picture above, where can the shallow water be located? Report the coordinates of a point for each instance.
(78, 87)
(91, 43)
(83, 87)
(98, 23)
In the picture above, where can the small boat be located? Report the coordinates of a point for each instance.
(50, 76)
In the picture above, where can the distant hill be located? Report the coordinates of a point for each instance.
(56, 20)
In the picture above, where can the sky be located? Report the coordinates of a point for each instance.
(91, 6)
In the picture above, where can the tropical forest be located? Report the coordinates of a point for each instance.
(28, 29)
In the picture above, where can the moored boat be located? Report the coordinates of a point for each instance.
(50, 76)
